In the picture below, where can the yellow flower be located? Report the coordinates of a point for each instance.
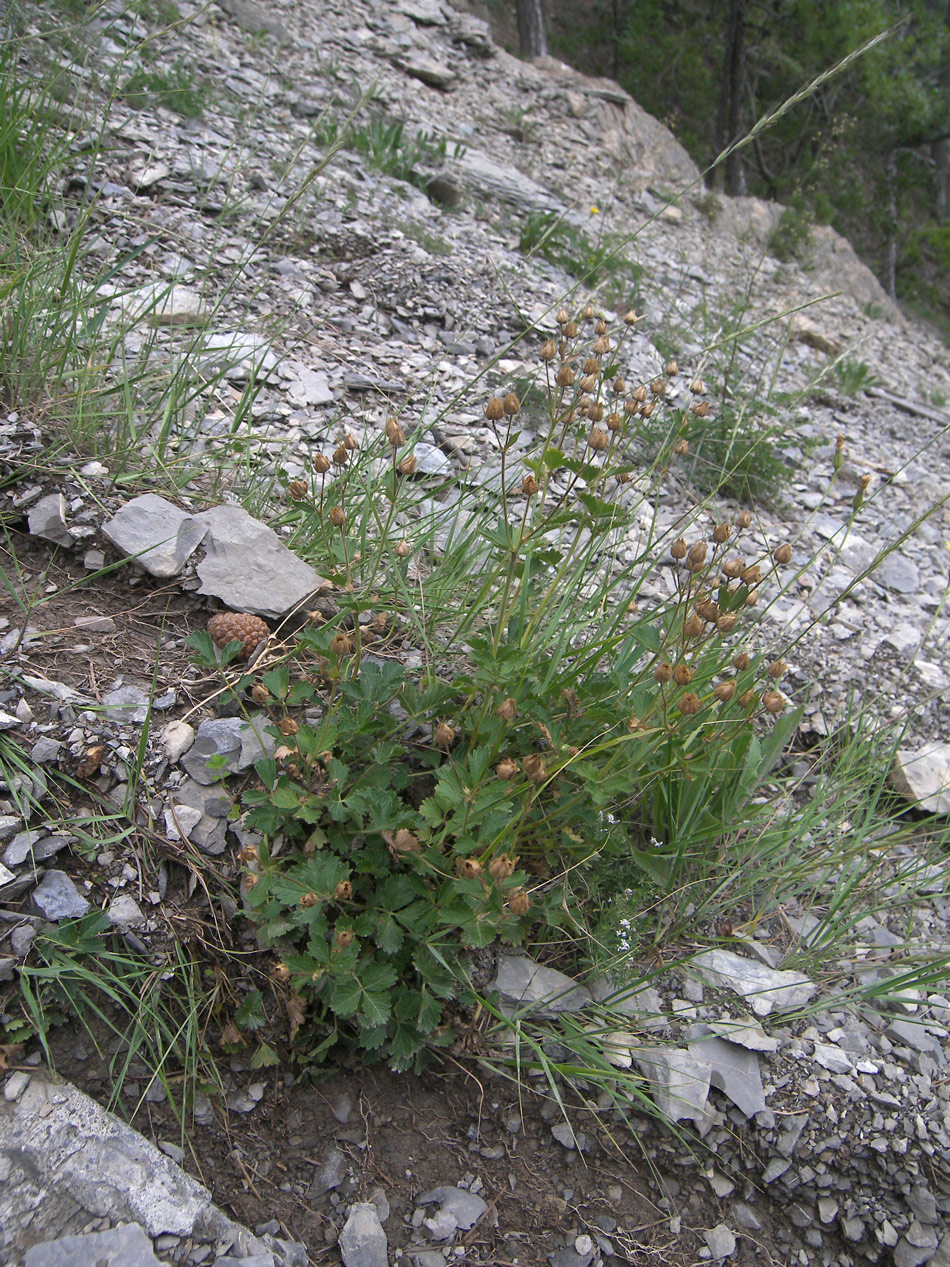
(595, 211)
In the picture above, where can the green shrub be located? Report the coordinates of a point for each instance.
(408, 816)
(791, 239)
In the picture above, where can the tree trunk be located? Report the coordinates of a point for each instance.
(532, 37)
(890, 258)
(730, 174)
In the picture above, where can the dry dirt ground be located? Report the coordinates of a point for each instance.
(398, 1135)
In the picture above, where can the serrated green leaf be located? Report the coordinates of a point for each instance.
(345, 995)
(265, 1057)
(374, 1009)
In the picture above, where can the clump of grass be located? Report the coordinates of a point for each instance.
(853, 377)
(387, 147)
(174, 87)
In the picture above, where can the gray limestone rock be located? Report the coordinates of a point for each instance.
(252, 18)
(526, 985)
(679, 1083)
(126, 1246)
(57, 897)
(734, 1070)
(363, 1241)
(199, 811)
(924, 777)
(721, 1241)
(47, 519)
(64, 1161)
(764, 987)
(248, 568)
(35, 846)
(156, 533)
(430, 71)
(125, 912)
(457, 1206)
(224, 745)
(239, 355)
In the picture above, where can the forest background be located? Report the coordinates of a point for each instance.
(868, 151)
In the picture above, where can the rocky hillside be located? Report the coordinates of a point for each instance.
(366, 208)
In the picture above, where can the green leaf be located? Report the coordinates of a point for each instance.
(345, 996)
(374, 1009)
(277, 680)
(265, 1057)
(250, 1015)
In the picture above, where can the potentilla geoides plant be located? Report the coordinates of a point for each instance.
(563, 716)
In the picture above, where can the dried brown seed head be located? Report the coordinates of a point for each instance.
(502, 866)
(599, 439)
(548, 350)
(672, 369)
(749, 699)
(618, 386)
(682, 674)
(260, 694)
(595, 411)
(641, 394)
(507, 769)
(648, 410)
(529, 486)
(249, 853)
(744, 519)
(700, 409)
(565, 376)
(601, 346)
(658, 386)
(727, 622)
(298, 490)
(342, 644)
(773, 701)
(563, 317)
(507, 709)
(678, 548)
(350, 441)
(394, 433)
(444, 734)
(341, 455)
(408, 465)
(572, 330)
(600, 326)
(630, 318)
(288, 726)
(742, 661)
(402, 550)
(784, 553)
(732, 568)
(614, 422)
(689, 704)
(696, 555)
(280, 971)
(469, 868)
(587, 382)
(663, 672)
(721, 534)
(309, 900)
(725, 691)
(697, 387)
(337, 517)
(534, 767)
(321, 463)
(777, 669)
(342, 938)
(518, 902)
(590, 367)
(495, 409)
(343, 891)
(693, 626)
(512, 404)
(681, 448)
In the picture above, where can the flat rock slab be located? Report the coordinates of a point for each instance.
(363, 1242)
(924, 777)
(159, 535)
(248, 568)
(679, 1083)
(57, 897)
(126, 1246)
(64, 1160)
(524, 984)
(764, 987)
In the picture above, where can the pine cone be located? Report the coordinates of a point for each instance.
(241, 627)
